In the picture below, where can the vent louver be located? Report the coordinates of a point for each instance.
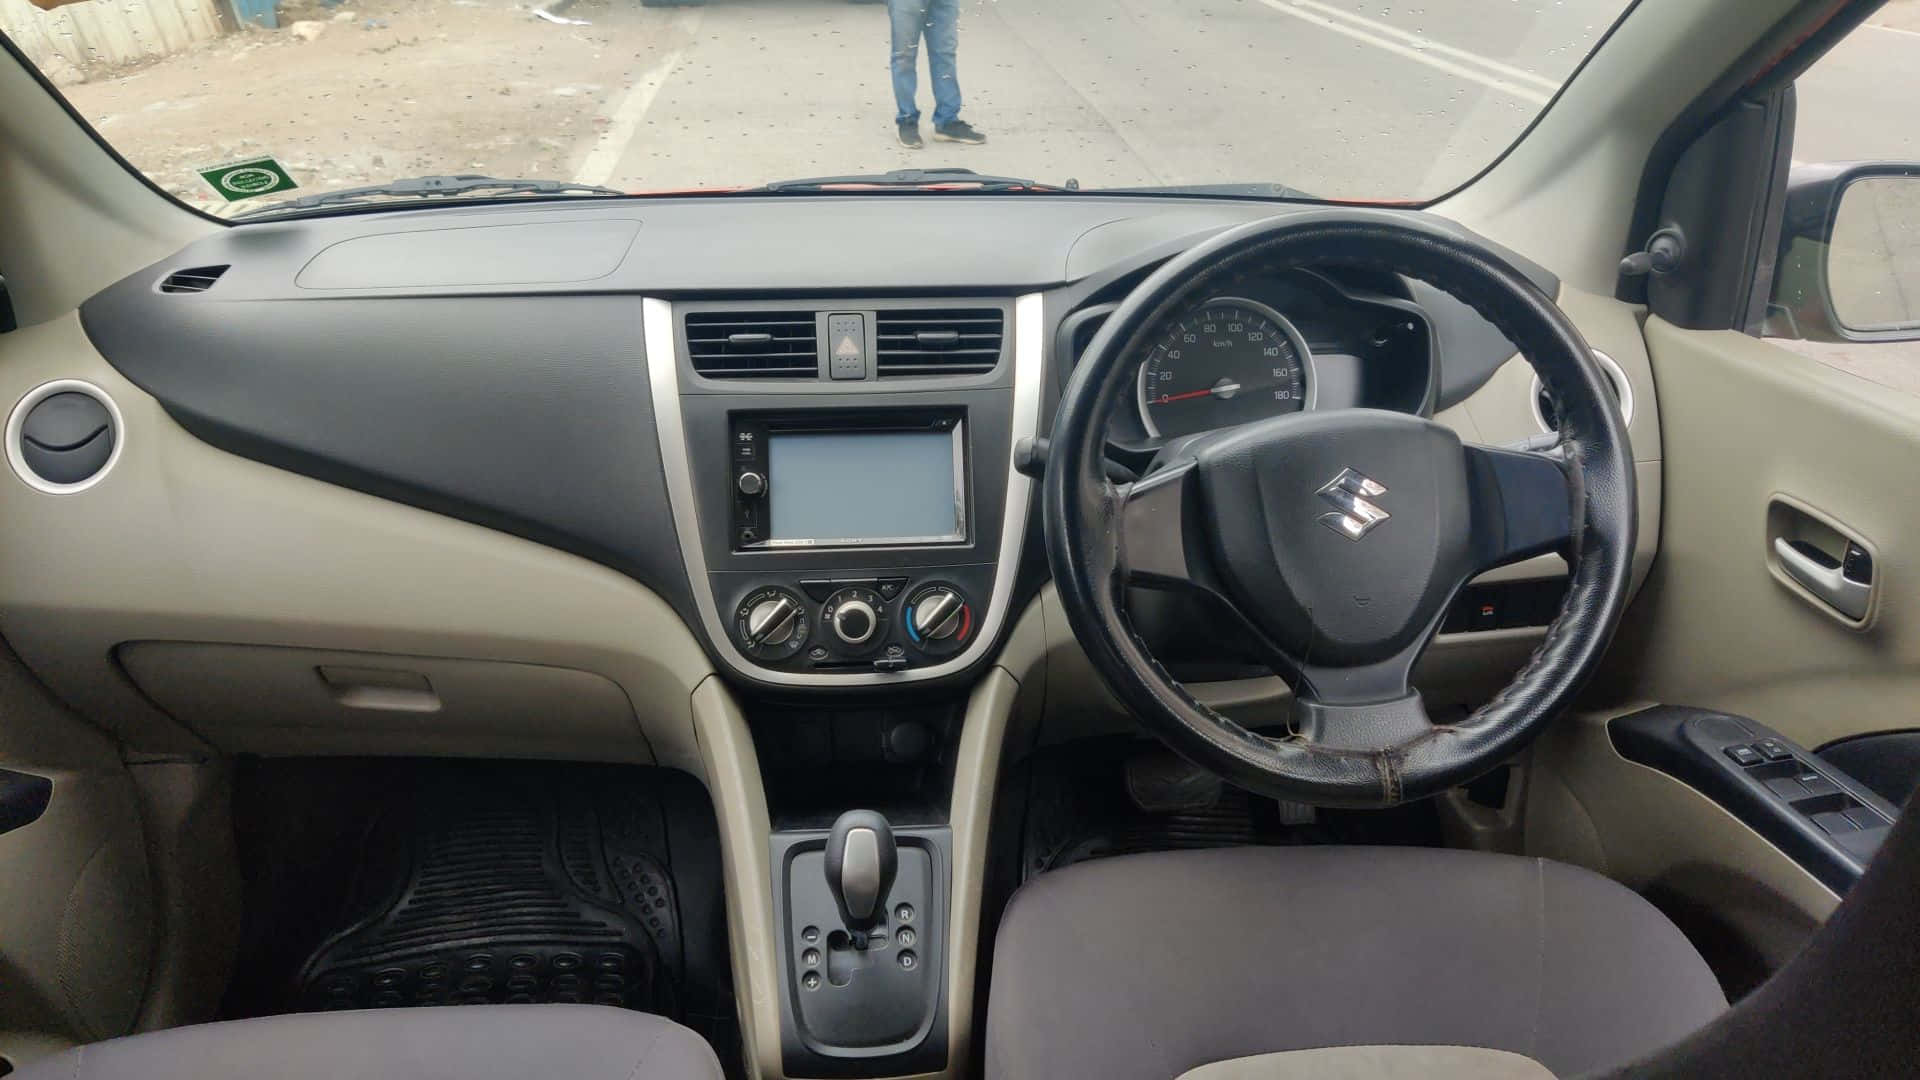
(753, 344)
(192, 280)
(940, 341)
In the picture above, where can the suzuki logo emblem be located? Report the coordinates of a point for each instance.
(1353, 495)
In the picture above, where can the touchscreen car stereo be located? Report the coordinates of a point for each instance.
(844, 479)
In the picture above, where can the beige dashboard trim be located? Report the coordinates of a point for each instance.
(185, 542)
(732, 773)
(663, 372)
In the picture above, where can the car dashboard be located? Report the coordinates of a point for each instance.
(781, 429)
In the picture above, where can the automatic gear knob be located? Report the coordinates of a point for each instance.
(862, 859)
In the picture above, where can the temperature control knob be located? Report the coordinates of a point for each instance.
(938, 619)
(771, 624)
(857, 617)
(937, 614)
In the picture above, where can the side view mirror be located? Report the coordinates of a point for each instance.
(1849, 259)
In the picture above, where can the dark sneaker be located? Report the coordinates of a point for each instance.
(910, 134)
(958, 131)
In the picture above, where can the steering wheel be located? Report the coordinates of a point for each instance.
(1336, 540)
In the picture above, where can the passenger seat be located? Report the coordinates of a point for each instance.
(477, 1042)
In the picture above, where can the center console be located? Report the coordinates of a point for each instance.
(840, 474)
(841, 482)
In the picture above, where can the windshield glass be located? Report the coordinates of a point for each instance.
(236, 105)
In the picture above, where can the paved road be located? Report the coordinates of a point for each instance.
(1363, 100)
(1374, 100)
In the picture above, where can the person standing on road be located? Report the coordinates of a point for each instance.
(939, 20)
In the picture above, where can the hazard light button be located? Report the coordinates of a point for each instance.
(847, 346)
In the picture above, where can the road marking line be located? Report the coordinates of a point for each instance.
(613, 143)
(1894, 29)
(1421, 56)
(1422, 42)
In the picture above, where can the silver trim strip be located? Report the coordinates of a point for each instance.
(17, 419)
(663, 375)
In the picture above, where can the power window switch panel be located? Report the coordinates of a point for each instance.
(1786, 787)
(1835, 823)
(1819, 785)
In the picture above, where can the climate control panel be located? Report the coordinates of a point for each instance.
(881, 623)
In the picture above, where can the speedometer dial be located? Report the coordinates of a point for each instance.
(1228, 362)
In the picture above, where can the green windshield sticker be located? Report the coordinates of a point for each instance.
(245, 179)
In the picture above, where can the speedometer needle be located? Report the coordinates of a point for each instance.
(1224, 388)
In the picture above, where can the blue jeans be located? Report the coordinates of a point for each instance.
(940, 21)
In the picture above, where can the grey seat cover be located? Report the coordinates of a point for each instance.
(1146, 966)
(473, 1042)
(1376, 1063)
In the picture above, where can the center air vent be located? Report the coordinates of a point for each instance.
(941, 341)
(192, 280)
(753, 344)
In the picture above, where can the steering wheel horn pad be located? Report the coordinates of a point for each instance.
(1337, 539)
(1340, 534)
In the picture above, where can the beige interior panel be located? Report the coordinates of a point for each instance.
(733, 779)
(1565, 193)
(187, 810)
(181, 541)
(1457, 669)
(1589, 806)
(72, 219)
(76, 907)
(77, 911)
(1746, 422)
(267, 700)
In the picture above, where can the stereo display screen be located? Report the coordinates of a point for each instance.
(865, 487)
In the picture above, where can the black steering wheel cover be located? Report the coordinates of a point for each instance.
(1082, 538)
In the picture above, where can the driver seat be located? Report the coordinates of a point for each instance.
(1245, 960)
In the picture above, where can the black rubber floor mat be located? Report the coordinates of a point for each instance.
(488, 888)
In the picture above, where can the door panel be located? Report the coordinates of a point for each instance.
(1752, 431)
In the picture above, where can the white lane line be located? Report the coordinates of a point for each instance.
(1420, 56)
(1422, 42)
(1894, 29)
(613, 143)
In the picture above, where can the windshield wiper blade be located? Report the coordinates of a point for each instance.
(917, 180)
(1253, 190)
(431, 187)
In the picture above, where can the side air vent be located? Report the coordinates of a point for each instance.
(192, 280)
(1547, 414)
(753, 344)
(940, 341)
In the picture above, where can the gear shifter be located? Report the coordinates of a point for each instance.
(862, 859)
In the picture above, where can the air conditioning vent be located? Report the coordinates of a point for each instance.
(195, 279)
(941, 341)
(753, 344)
(1547, 414)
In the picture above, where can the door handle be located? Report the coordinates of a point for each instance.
(1844, 584)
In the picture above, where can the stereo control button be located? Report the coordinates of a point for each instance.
(751, 483)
